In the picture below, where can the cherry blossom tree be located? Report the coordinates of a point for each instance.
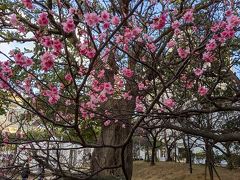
(101, 69)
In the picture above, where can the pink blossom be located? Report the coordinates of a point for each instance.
(141, 86)
(6, 69)
(106, 25)
(151, 47)
(90, 53)
(43, 19)
(222, 24)
(27, 85)
(68, 102)
(27, 4)
(95, 86)
(159, 23)
(81, 71)
(176, 24)
(125, 48)
(202, 90)
(115, 20)
(101, 73)
(107, 123)
(72, 10)
(118, 82)
(107, 87)
(183, 53)
(52, 94)
(46, 41)
(188, 16)
(102, 97)
(208, 57)
(211, 45)
(127, 72)
(215, 27)
(68, 77)
(194, 28)
(68, 25)
(198, 72)
(57, 45)
(128, 35)
(136, 31)
(83, 48)
(93, 98)
(105, 16)
(139, 107)
(5, 140)
(21, 28)
(170, 103)
(47, 61)
(127, 96)
(22, 60)
(233, 20)
(177, 31)
(153, 2)
(228, 32)
(4, 81)
(92, 115)
(228, 12)
(92, 19)
(19, 59)
(13, 20)
(28, 62)
(19, 134)
(102, 36)
(188, 85)
(171, 44)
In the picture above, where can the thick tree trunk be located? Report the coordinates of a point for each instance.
(106, 158)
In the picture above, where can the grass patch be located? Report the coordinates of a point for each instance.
(178, 171)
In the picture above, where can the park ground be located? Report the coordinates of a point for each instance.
(175, 171)
(178, 171)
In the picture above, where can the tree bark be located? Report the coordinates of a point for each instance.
(186, 151)
(111, 157)
(169, 158)
(153, 151)
(209, 159)
(229, 156)
(147, 154)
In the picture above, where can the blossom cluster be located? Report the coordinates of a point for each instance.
(52, 94)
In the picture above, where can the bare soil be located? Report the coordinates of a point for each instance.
(178, 171)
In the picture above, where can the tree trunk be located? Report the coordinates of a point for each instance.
(153, 151)
(229, 157)
(209, 159)
(147, 154)
(186, 151)
(169, 158)
(104, 157)
(71, 158)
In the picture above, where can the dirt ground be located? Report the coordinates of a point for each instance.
(178, 171)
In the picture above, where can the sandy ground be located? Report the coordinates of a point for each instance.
(178, 171)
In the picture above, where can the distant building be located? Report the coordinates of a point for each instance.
(8, 121)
